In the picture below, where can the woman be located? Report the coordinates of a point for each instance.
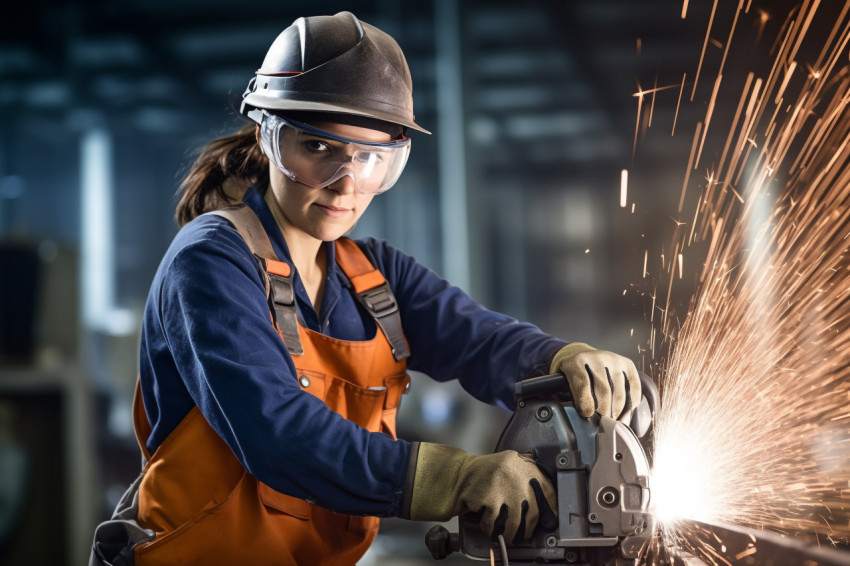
(274, 350)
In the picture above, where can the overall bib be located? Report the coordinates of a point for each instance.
(205, 508)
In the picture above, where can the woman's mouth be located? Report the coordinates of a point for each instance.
(333, 211)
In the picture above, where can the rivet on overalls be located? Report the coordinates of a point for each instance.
(304, 381)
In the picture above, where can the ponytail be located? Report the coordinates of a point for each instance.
(221, 174)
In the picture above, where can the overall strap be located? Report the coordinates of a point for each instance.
(373, 293)
(277, 275)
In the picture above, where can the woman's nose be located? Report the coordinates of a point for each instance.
(344, 185)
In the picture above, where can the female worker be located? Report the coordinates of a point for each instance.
(274, 350)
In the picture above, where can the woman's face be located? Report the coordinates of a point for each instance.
(325, 213)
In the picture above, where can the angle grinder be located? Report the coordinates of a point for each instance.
(600, 470)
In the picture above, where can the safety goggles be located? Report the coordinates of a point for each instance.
(317, 158)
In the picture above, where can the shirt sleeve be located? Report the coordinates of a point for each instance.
(215, 319)
(452, 336)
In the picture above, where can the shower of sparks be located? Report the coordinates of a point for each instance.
(754, 425)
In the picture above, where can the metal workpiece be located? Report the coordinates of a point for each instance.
(734, 545)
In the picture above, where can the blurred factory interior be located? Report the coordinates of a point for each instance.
(515, 197)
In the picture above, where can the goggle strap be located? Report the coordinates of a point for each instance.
(324, 134)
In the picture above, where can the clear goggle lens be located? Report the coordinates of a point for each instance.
(317, 158)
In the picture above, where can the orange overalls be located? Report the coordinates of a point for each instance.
(205, 508)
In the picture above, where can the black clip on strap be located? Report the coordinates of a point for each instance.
(381, 304)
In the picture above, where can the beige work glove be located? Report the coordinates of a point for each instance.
(508, 489)
(601, 382)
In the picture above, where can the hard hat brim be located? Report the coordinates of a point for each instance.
(274, 103)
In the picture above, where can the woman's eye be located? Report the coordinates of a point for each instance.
(317, 146)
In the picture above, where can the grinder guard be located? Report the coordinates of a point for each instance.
(599, 468)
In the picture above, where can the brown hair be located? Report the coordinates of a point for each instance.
(221, 174)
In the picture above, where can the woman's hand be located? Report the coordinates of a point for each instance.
(601, 382)
(508, 490)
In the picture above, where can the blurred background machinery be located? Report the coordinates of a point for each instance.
(514, 198)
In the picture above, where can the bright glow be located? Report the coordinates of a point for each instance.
(681, 468)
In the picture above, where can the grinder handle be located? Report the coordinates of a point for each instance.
(543, 386)
(557, 384)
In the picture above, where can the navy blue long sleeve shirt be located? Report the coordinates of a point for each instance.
(207, 340)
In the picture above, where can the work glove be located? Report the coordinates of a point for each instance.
(601, 382)
(509, 491)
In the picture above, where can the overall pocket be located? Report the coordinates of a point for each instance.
(189, 539)
(363, 406)
(287, 504)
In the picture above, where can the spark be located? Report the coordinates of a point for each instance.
(639, 94)
(813, 73)
(708, 116)
(729, 40)
(787, 78)
(763, 18)
(652, 104)
(755, 381)
(624, 187)
(704, 45)
(678, 104)
(690, 164)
